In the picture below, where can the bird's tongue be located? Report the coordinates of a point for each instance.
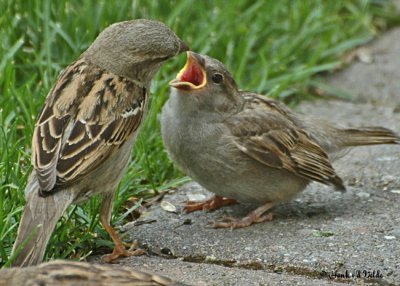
(193, 74)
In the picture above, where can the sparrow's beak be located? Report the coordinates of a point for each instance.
(183, 47)
(192, 76)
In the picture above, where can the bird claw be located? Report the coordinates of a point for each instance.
(120, 250)
(211, 204)
(232, 223)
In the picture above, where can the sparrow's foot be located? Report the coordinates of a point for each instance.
(211, 204)
(256, 216)
(120, 250)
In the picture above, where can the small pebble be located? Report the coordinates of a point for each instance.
(386, 158)
(388, 178)
(196, 197)
(167, 206)
(363, 194)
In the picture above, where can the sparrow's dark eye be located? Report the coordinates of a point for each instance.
(217, 78)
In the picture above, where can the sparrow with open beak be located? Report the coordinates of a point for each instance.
(85, 132)
(246, 147)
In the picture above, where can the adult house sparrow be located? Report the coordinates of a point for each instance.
(247, 147)
(84, 135)
(69, 273)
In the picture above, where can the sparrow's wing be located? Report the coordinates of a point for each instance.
(87, 116)
(265, 132)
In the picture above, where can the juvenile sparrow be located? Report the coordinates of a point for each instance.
(247, 147)
(69, 273)
(84, 134)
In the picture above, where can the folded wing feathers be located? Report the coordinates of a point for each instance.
(70, 140)
(277, 142)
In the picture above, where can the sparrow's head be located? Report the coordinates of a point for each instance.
(135, 49)
(208, 82)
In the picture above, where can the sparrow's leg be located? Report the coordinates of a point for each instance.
(105, 216)
(258, 215)
(211, 204)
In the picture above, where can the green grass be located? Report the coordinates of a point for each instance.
(270, 46)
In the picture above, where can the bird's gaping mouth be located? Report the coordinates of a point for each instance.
(192, 75)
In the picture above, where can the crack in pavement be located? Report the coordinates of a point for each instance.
(167, 254)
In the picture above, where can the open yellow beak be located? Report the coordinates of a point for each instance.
(191, 76)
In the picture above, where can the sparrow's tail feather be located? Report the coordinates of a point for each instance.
(369, 136)
(38, 221)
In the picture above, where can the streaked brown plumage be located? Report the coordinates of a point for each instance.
(288, 146)
(105, 112)
(69, 273)
(103, 115)
(84, 135)
(248, 147)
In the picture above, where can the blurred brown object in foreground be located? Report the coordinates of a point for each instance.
(70, 273)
